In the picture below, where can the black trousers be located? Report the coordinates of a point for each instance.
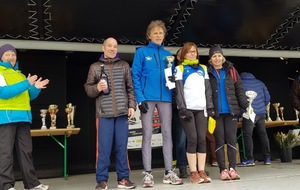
(248, 126)
(225, 133)
(16, 136)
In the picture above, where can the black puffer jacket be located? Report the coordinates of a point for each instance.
(234, 90)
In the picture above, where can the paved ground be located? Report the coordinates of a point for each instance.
(281, 176)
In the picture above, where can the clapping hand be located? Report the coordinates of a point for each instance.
(41, 84)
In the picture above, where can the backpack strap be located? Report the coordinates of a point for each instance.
(233, 74)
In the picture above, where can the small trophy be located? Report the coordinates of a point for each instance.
(170, 60)
(281, 113)
(268, 112)
(168, 72)
(70, 110)
(297, 114)
(250, 113)
(43, 115)
(276, 106)
(53, 110)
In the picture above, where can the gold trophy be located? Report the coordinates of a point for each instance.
(276, 106)
(53, 109)
(43, 115)
(70, 110)
(281, 113)
(268, 112)
(170, 59)
(297, 114)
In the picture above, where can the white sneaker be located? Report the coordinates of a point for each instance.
(147, 180)
(12, 188)
(172, 178)
(40, 187)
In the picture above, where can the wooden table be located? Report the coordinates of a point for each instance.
(66, 132)
(269, 124)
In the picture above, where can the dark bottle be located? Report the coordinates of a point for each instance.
(104, 77)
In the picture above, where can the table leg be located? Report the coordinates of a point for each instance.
(243, 149)
(65, 157)
(64, 146)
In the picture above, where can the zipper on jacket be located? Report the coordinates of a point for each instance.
(160, 76)
(155, 59)
(112, 87)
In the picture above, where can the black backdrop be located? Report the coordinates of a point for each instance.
(67, 73)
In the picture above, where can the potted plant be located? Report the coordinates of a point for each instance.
(286, 142)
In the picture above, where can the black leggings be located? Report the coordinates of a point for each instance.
(195, 131)
(225, 133)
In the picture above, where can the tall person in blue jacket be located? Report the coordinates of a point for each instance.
(148, 74)
(16, 93)
(250, 83)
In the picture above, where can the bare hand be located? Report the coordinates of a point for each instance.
(131, 113)
(32, 79)
(102, 85)
(41, 84)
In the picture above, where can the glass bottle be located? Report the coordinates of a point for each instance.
(104, 78)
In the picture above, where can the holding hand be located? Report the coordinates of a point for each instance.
(102, 85)
(210, 112)
(172, 78)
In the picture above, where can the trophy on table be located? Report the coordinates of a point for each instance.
(281, 113)
(276, 106)
(70, 110)
(53, 109)
(297, 114)
(268, 112)
(43, 116)
(250, 113)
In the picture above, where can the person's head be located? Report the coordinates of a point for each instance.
(189, 52)
(156, 31)
(216, 57)
(8, 53)
(110, 48)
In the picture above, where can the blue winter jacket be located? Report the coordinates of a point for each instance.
(148, 73)
(263, 96)
(13, 90)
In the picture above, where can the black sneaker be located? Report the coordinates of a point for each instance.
(102, 185)
(126, 184)
(183, 173)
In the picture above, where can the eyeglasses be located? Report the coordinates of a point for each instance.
(190, 52)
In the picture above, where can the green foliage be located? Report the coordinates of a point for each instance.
(286, 140)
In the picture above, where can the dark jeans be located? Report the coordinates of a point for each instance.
(259, 125)
(179, 141)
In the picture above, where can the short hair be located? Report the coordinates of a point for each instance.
(155, 23)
